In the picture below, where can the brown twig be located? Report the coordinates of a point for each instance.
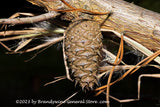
(29, 20)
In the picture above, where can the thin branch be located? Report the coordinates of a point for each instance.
(28, 20)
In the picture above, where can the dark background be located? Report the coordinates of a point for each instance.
(20, 80)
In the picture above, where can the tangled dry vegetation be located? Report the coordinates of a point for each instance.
(88, 59)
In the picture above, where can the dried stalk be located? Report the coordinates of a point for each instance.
(21, 36)
(29, 20)
(19, 32)
(117, 68)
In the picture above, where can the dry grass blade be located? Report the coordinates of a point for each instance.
(58, 79)
(55, 40)
(21, 36)
(156, 66)
(105, 69)
(67, 99)
(20, 32)
(145, 75)
(121, 101)
(117, 68)
(23, 44)
(5, 46)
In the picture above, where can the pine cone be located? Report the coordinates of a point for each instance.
(83, 43)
